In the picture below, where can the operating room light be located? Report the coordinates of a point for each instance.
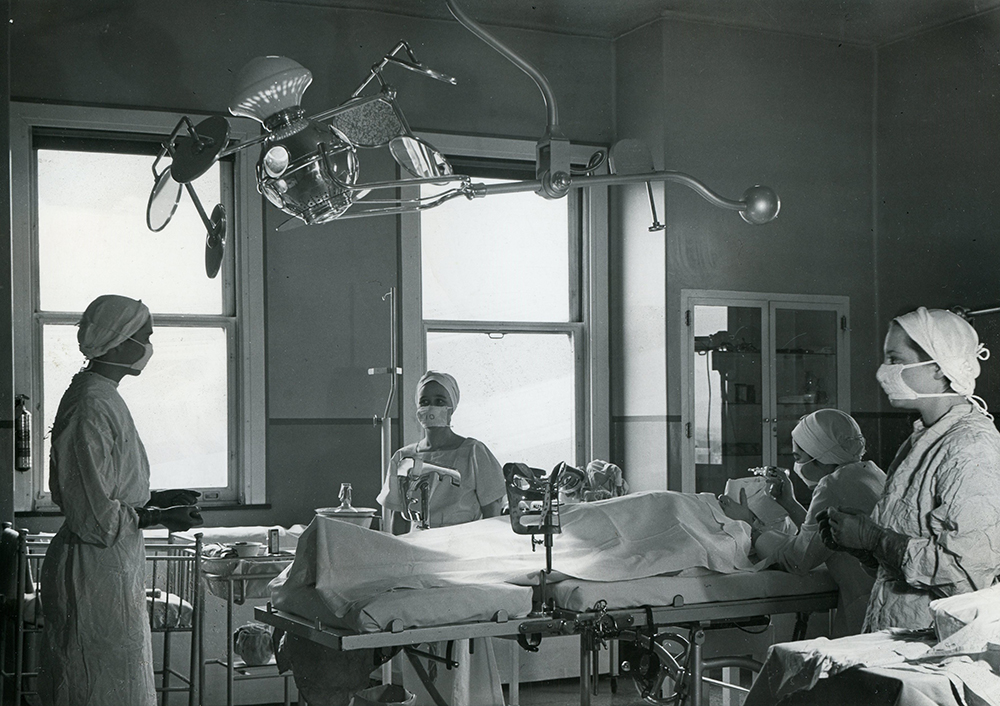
(311, 168)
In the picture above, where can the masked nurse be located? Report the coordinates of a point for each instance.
(96, 644)
(934, 532)
(479, 493)
(481, 490)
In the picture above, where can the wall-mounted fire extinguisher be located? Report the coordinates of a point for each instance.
(22, 434)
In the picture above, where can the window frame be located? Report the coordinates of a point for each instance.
(588, 304)
(242, 283)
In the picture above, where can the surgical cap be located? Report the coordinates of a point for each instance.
(951, 341)
(830, 436)
(446, 381)
(108, 321)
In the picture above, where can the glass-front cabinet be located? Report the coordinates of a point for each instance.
(753, 364)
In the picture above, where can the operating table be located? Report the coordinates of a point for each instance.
(664, 633)
(669, 589)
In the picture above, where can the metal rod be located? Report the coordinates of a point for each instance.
(580, 182)
(551, 109)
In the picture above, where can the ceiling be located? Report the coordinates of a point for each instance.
(870, 22)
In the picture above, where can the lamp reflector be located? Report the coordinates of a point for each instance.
(267, 85)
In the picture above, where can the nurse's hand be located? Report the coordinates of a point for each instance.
(779, 485)
(849, 529)
(181, 517)
(737, 510)
(175, 496)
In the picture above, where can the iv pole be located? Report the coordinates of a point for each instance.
(393, 371)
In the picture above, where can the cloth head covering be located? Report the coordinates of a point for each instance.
(830, 436)
(951, 341)
(108, 321)
(446, 381)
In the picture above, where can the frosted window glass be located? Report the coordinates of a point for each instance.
(518, 392)
(501, 258)
(179, 403)
(93, 239)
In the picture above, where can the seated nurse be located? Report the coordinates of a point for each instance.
(827, 446)
(481, 490)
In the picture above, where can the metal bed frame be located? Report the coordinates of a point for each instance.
(685, 664)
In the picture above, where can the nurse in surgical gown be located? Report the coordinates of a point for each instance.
(828, 446)
(96, 646)
(935, 530)
(476, 681)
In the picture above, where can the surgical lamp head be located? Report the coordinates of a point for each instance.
(306, 168)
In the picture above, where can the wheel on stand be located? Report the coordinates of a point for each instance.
(650, 662)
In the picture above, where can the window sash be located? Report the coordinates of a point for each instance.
(242, 286)
(588, 306)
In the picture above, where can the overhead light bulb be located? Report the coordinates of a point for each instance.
(268, 86)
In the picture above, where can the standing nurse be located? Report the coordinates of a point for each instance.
(96, 644)
(935, 530)
(476, 679)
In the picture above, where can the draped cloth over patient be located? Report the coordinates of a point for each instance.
(339, 565)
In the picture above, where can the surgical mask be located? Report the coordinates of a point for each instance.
(797, 467)
(434, 416)
(890, 377)
(147, 353)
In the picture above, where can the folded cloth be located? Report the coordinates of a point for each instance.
(167, 610)
(633, 536)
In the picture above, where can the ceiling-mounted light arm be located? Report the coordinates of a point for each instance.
(552, 151)
(551, 109)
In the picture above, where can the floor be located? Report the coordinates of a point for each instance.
(566, 692)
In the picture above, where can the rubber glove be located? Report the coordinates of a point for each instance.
(853, 529)
(175, 496)
(737, 510)
(779, 485)
(176, 519)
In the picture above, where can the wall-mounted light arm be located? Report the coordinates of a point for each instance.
(759, 203)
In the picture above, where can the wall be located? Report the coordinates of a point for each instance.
(736, 107)
(939, 188)
(325, 319)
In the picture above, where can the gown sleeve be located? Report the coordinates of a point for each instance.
(86, 482)
(802, 552)
(962, 552)
(490, 485)
(389, 497)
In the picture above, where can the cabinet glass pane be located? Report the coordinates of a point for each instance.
(728, 394)
(805, 380)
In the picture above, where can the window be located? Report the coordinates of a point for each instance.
(82, 179)
(502, 290)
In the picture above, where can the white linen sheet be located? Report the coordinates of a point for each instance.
(337, 565)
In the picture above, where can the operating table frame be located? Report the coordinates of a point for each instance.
(593, 627)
